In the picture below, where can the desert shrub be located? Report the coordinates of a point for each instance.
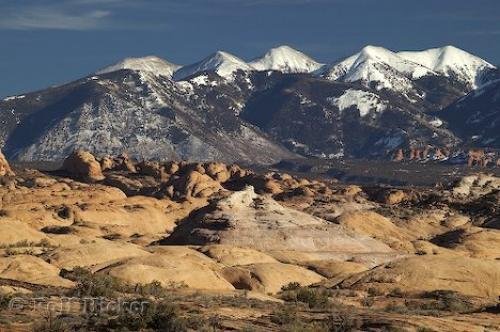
(154, 289)
(163, 316)
(367, 301)
(27, 244)
(372, 291)
(51, 324)
(291, 286)
(397, 292)
(93, 284)
(450, 301)
(285, 315)
(5, 301)
(313, 297)
(343, 323)
(397, 308)
(424, 329)
(301, 326)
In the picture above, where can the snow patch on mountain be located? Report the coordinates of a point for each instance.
(363, 100)
(221, 63)
(286, 60)
(449, 61)
(149, 64)
(14, 97)
(436, 122)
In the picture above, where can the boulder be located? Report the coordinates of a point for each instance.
(154, 169)
(124, 163)
(106, 163)
(352, 190)
(5, 169)
(399, 155)
(393, 197)
(194, 185)
(475, 157)
(217, 171)
(83, 164)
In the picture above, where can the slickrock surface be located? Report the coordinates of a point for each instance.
(220, 229)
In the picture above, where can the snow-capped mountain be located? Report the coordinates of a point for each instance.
(376, 64)
(149, 64)
(413, 75)
(281, 105)
(221, 63)
(286, 60)
(451, 61)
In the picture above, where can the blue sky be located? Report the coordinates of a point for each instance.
(47, 42)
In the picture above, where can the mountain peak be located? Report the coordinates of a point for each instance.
(287, 60)
(376, 64)
(450, 61)
(151, 64)
(222, 63)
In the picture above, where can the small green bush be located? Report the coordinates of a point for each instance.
(313, 297)
(93, 284)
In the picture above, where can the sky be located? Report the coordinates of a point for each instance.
(50, 42)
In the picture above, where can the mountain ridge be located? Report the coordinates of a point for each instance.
(223, 108)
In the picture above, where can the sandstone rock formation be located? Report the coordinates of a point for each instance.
(202, 226)
(84, 165)
(427, 273)
(247, 220)
(192, 185)
(5, 169)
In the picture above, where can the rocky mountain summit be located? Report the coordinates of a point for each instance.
(282, 105)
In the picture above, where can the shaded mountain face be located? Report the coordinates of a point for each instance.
(318, 118)
(475, 118)
(149, 117)
(281, 105)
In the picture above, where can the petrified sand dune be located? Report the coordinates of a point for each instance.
(273, 276)
(467, 276)
(222, 229)
(173, 267)
(32, 270)
(234, 256)
(14, 231)
(97, 253)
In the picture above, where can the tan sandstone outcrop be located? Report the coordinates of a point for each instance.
(248, 220)
(172, 267)
(418, 274)
(83, 164)
(33, 270)
(5, 169)
(193, 185)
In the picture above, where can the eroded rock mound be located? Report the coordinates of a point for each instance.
(83, 164)
(248, 220)
(192, 185)
(5, 169)
(476, 185)
(419, 274)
